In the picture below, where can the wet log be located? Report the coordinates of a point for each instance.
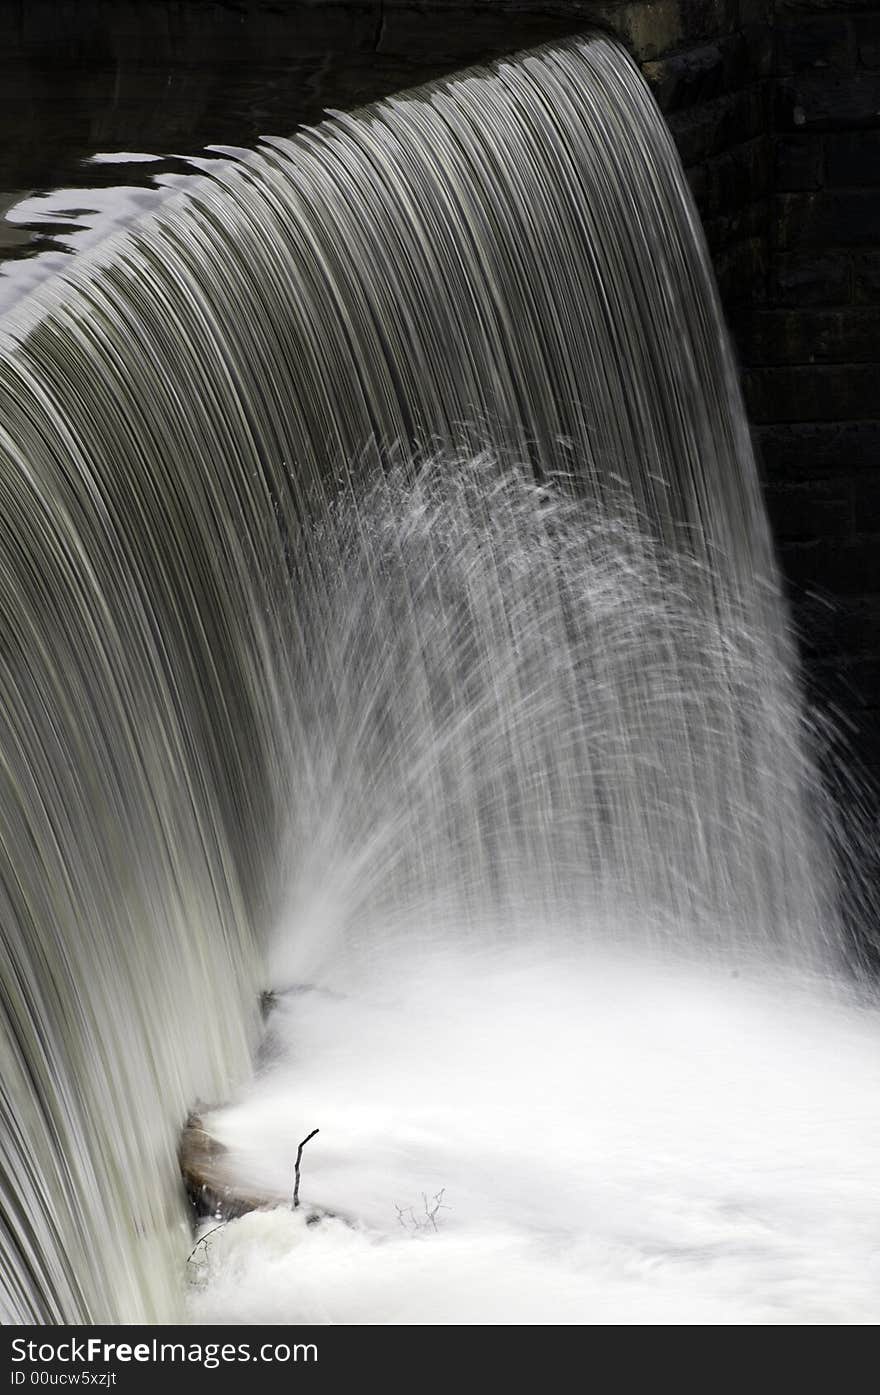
(211, 1188)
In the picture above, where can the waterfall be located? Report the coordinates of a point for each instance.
(379, 529)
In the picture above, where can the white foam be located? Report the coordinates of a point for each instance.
(619, 1142)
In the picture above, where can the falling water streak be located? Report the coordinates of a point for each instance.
(503, 276)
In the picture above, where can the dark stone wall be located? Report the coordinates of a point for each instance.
(715, 90)
(813, 361)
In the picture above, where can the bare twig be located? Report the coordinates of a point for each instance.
(407, 1217)
(204, 1240)
(431, 1211)
(402, 1216)
(299, 1153)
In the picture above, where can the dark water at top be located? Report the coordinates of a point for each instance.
(89, 89)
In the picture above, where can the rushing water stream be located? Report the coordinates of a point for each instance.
(390, 615)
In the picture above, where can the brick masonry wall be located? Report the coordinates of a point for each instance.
(716, 94)
(813, 347)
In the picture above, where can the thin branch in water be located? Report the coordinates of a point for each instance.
(299, 1153)
(204, 1240)
(407, 1217)
(432, 1211)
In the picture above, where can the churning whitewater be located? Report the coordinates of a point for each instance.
(389, 618)
(617, 1139)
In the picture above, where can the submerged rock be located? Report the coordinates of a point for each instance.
(214, 1192)
(207, 1176)
(268, 1001)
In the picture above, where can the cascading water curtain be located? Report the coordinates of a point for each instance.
(218, 571)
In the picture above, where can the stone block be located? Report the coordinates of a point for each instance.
(755, 12)
(853, 158)
(686, 78)
(649, 30)
(802, 336)
(803, 8)
(798, 162)
(736, 225)
(848, 569)
(812, 278)
(866, 504)
(823, 42)
(822, 102)
(836, 630)
(816, 450)
(704, 131)
(842, 218)
(866, 278)
(741, 272)
(757, 42)
(867, 30)
(814, 393)
(810, 511)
